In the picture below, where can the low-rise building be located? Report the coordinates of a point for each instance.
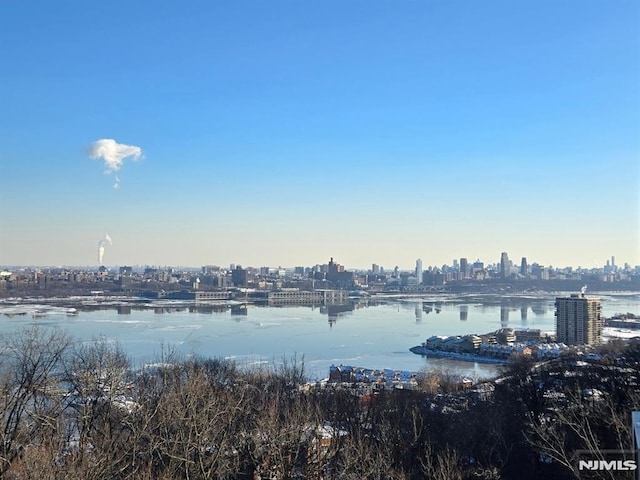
(528, 335)
(505, 336)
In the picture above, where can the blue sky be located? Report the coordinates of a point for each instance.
(283, 133)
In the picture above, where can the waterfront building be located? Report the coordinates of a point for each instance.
(469, 343)
(505, 336)
(528, 335)
(294, 296)
(419, 270)
(578, 320)
(202, 296)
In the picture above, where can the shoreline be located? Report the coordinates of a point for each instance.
(467, 357)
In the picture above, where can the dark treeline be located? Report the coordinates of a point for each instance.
(77, 410)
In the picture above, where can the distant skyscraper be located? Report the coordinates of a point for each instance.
(578, 320)
(375, 268)
(505, 271)
(419, 270)
(464, 267)
(523, 266)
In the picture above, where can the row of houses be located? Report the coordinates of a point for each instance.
(501, 344)
(540, 351)
(387, 377)
(472, 342)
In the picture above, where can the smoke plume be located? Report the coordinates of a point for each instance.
(101, 244)
(113, 154)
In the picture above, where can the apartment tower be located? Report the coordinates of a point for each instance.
(578, 320)
(419, 271)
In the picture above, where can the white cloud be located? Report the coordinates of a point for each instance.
(113, 153)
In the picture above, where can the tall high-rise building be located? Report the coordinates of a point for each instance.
(464, 268)
(578, 320)
(524, 267)
(505, 270)
(419, 270)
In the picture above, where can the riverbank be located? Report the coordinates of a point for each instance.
(467, 357)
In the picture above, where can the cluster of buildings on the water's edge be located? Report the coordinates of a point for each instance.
(490, 347)
(579, 326)
(578, 329)
(462, 275)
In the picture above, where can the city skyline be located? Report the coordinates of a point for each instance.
(286, 134)
(610, 265)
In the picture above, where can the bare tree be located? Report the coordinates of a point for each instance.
(288, 433)
(30, 376)
(100, 388)
(442, 465)
(434, 381)
(576, 423)
(192, 424)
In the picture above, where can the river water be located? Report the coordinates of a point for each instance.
(367, 334)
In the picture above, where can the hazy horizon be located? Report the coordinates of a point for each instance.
(387, 267)
(286, 133)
